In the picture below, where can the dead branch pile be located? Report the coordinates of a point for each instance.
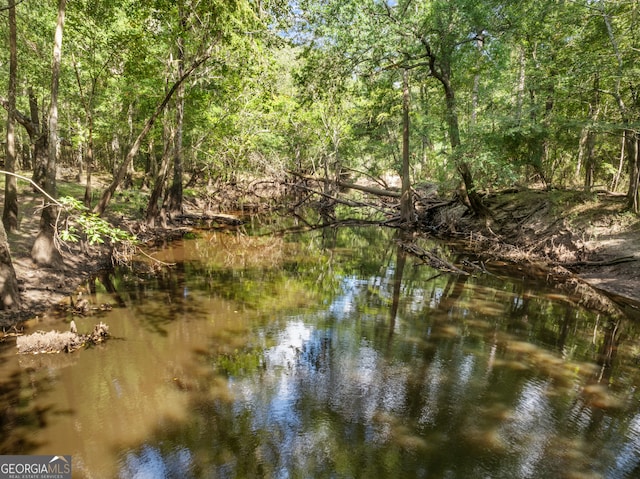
(56, 342)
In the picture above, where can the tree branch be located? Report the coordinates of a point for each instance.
(35, 185)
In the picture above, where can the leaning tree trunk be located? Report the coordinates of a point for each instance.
(468, 189)
(122, 171)
(9, 295)
(10, 211)
(440, 69)
(44, 251)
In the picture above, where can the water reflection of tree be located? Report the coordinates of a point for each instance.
(359, 399)
(401, 260)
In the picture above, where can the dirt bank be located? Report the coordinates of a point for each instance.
(42, 289)
(589, 237)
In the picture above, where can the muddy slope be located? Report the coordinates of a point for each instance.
(589, 235)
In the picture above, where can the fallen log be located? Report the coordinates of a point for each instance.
(56, 342)
(353, 204)
(366, 189)
(218, 217)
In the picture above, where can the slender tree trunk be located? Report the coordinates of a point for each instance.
(175, 194)
(88, 191)
(520, 85)
(585, 156)
(588, 139)
(406, 200)
(153, 210)
(440, 69)
(87, 101)
(127, 182)
(39, 141)
(616, 177)
(44, 252)
(468, 190)
(10, 211)
(633, 161)
(475, 93)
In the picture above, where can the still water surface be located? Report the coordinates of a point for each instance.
(330, 354)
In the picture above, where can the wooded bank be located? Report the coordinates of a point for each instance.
(175, 99)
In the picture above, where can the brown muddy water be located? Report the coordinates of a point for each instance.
(329, 354)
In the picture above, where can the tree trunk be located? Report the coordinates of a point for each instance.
(586, 157)
(468, 189)
(88, 192)
(153, 211)
(10, 211)
(406, 200)
(520, 85)
(87, 102)
(39, 141)
(588, 139)
(9, 295)
(633, 160)
(616, 177)
(175, 194)
(44, 252)
(475, 92)
(127, 181)
(440, 69)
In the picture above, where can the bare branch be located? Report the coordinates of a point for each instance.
(35, 185)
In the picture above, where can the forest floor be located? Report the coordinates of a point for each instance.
(589, 238)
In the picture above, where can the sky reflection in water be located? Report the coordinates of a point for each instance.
(339, 357)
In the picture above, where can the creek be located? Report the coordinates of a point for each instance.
(331, 354)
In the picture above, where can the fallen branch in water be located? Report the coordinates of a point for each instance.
(431, 258)
(343, 184)
(56, 342)
(353, 204)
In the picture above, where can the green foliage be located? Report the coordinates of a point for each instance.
(315, 83)
(81, 224)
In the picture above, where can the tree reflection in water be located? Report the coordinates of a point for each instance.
(338, 356)
(423, 376)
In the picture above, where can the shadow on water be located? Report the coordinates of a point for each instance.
(20, 417)
(402, 373)
(334, 354)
